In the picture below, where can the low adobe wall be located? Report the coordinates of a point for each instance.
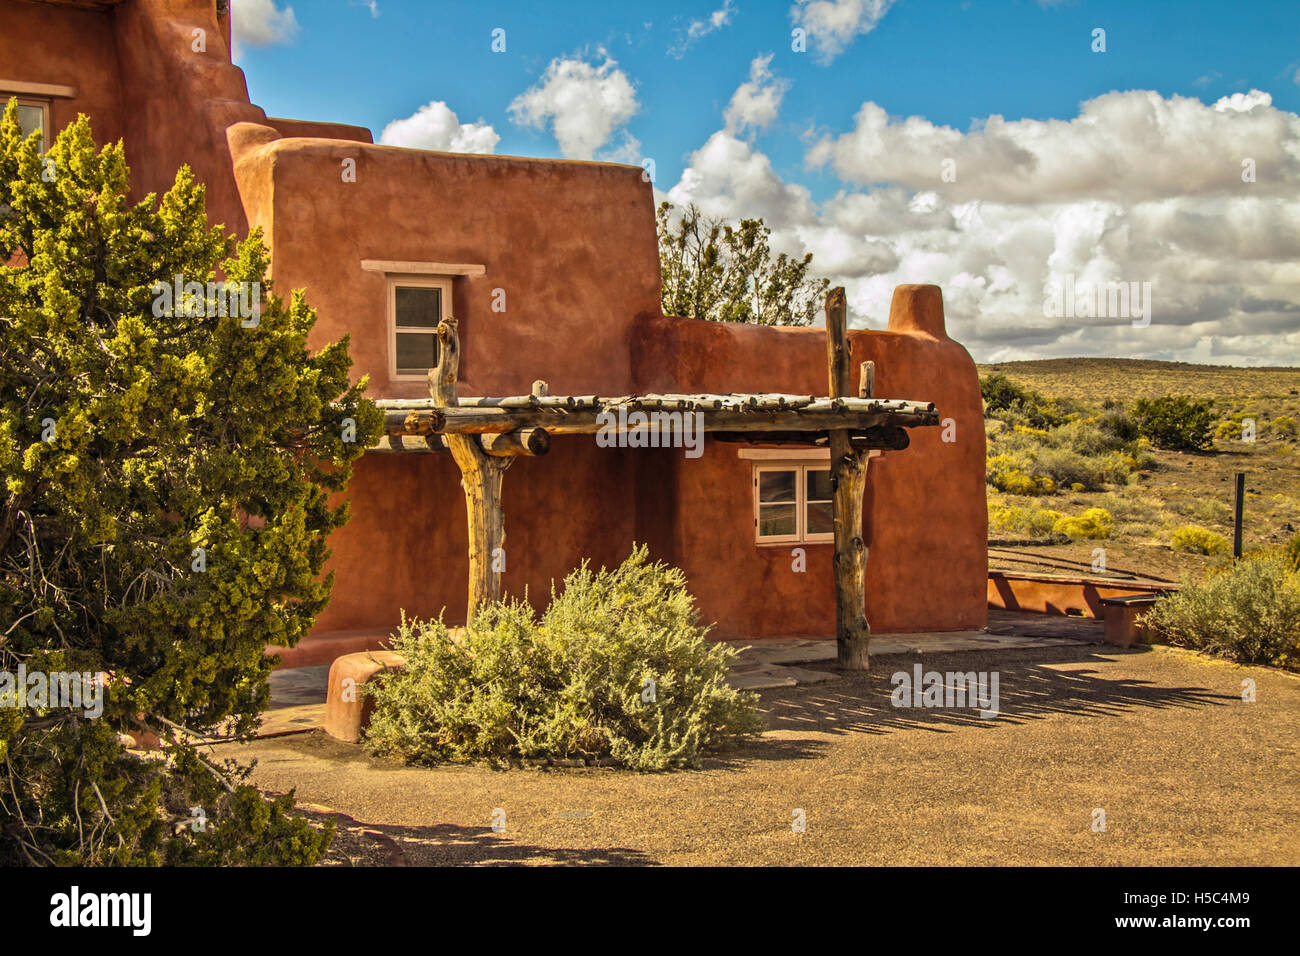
(1060, 594)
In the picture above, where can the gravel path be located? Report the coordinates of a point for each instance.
(1159, 739)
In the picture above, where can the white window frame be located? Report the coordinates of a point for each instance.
(34, 102)
(413, 282)
(800, 467)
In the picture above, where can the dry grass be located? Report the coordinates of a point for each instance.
(1183, 488)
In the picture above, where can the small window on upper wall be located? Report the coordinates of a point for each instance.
(415, 307)
(33, 117)
(792, 503)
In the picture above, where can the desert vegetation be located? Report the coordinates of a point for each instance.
(1155, 446)
(617, 668)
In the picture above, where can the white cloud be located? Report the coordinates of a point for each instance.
(583, 103)
(1034, 201)
(834, 24)
(757, 101)
(697, 29)
(1122, 146)
(435, 126)
(260, 23)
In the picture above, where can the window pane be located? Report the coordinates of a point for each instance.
(416, 351)
(418, 307)
(819, 484)
(30, 119)
(776, 486)
(776, 520)
(820, 518)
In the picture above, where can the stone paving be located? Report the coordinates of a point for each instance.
(298, 695)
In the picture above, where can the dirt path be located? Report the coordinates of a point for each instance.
(1160, 739)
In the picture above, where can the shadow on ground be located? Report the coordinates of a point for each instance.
(1050, 683)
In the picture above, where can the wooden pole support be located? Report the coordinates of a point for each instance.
(481, 474)
(848, 481)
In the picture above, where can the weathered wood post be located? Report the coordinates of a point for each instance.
(848, 480)
(481, 472)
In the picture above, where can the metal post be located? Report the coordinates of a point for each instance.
(1236, 521)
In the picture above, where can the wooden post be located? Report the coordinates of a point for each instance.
(848, 480)
(480, 476)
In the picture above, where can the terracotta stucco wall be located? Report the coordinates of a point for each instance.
(64, 46)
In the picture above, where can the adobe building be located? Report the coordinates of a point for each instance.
(386, 240)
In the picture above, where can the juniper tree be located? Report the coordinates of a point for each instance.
(714, 270)
(167, 480)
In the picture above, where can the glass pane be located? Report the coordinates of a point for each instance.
(32, 118)
(776, 486)
(819, 484)
(418, 308)
(775, 520)
(416, 351)
(820, 518)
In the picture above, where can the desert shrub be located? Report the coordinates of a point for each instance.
(1027, 521)
(1066, 467)
(1292, 552)
(1283, 426)
(573, 684)
(1013, 403)
(1094, 523)
(1200, 540)
(1250, 612)
(1119, 425)
(1176, 422)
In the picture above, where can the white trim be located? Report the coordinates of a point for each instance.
(784, 454)
(48, 90)
(425, 282)
(792, 454)
(396, 267)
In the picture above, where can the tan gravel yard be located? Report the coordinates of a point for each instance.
(1160, 739)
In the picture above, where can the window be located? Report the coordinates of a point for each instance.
(792, 502)
(416, 305)
(33, 117)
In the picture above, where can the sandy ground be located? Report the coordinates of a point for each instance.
(1160, 739)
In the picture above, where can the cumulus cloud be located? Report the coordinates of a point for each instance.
(698, 29)
(757, 101)
(435, 126)
(833, 24)
(1122, 146)
(1136, 188)
(583, 103)
(261, 23)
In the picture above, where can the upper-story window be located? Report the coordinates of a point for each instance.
(33, 117)
(416, 305)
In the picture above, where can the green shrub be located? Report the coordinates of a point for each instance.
(173, 439)
(1249, 612)
(1094, 523)
(572, 685)
(1028, 521)
(1119, 425)
(1283, 426)
(1006, 400)
(1176, 422)
(1201, 540)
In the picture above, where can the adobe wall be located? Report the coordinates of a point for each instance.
(924, 514)
(65, 46)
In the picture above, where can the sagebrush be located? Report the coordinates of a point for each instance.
(618, 666)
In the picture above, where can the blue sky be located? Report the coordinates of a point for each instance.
(952, 66)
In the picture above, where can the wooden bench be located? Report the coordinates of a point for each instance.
(1123, 617)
